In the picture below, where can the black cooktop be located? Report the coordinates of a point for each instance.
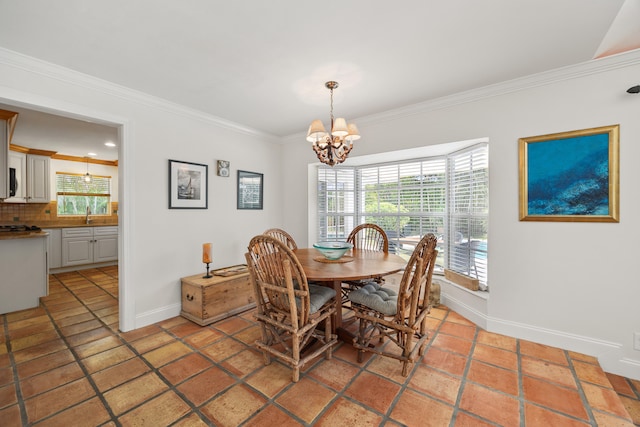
(16, 228)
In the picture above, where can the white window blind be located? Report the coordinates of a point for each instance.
(444, 195)
(469, 212)
(75, 195)
(336, 203)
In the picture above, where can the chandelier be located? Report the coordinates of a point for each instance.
(332, 147)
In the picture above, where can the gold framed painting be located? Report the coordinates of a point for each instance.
(570, 176)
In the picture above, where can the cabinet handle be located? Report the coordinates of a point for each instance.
(189, 297)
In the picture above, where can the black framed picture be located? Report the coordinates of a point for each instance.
(250, 186)
(188, 185)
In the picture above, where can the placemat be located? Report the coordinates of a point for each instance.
(342, 260)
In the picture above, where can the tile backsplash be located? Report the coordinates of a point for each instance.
(46, 215)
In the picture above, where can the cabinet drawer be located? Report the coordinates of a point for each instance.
(105, 231)
(77, 232)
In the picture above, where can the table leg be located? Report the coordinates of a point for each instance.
(343, 334)
(337, 318)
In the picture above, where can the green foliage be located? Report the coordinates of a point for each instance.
(390, 222)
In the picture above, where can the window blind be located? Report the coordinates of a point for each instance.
(74, 184)
(444, 195)
(469, 212)
(75, 196)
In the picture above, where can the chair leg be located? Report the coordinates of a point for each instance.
(266, 356)
(295, 376)
(327, 337)
(361, 328)
(406, 352)
(405, 368)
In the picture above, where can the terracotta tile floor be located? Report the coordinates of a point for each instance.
(66, 364)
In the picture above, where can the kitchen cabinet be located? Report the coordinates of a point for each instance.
(89, 245)
(32, 177)
(7, 125)
(24, 271)
(105, 241)
(38, 178)
(54, 244)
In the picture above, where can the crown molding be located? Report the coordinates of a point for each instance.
(49, 70)
(594, 66)
(68, 76)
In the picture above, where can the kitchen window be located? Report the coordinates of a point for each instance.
(445, 195)
(75, 195)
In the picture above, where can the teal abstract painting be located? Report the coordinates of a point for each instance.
(570, 176)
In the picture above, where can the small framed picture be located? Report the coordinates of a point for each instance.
(249, 190)
(188, 185)
(223, 168)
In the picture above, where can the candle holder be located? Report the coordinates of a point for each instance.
(207, 276)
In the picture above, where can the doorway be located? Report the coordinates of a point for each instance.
(48, 118)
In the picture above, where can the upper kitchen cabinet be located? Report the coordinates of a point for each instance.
(38, 178)
(7, 125)
(28, 178)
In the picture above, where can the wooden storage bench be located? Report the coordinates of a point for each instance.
(228, 292)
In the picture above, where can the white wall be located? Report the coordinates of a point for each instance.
(158, 245)
(571, 285)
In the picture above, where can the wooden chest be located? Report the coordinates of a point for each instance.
(228, 292)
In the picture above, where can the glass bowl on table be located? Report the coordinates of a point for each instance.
(333, 250)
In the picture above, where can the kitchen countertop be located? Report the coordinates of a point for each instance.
(60, 225)
(9, 235)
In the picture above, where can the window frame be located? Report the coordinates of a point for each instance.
(65, 192)
(440, 220)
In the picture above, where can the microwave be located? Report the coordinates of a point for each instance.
(13, 182)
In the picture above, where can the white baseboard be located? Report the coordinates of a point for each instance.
(157, 315)
(609, 354)
(473, 305)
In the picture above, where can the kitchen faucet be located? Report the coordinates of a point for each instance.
(88, 220)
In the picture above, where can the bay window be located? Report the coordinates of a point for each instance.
(445, 195)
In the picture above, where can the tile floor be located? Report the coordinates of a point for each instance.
(66, 364)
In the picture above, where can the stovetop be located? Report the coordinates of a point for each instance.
(17, 228)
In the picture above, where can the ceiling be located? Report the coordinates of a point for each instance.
(263, 65)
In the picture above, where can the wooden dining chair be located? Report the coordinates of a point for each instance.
(289, 309)
(283, 236)
(400, 317)
(369, 237)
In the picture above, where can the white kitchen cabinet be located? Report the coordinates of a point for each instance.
(32, 177)
(7, 125)
(24, 272)
(77, 246)
(38, 178)
(54, 244)
(89, 245)
(105, 240)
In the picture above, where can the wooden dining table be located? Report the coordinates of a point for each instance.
(354, 265)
